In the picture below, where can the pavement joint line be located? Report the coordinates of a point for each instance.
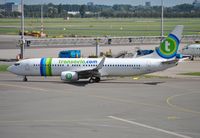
(52, 121)
(126, 101)
(169, 99)
(149, 127)
(24, 87)
(32, 88)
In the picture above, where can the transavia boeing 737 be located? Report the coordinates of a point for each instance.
(93, 69)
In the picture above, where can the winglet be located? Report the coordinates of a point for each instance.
(100, 66)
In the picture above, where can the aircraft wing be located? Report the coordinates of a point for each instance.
(91, 71)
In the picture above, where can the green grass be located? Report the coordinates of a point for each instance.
(101, 27)
(191, 73)
(3, 68)
(155, 76)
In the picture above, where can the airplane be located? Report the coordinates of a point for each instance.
(192, 50)
(71, 70)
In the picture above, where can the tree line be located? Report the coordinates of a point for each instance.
(123, 11)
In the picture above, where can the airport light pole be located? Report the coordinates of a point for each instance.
(97, 46)
(22, 31)
(42, 25)
(162, 10)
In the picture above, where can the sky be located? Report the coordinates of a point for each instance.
(103, 2)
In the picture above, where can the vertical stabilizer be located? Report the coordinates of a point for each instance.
(169, 46)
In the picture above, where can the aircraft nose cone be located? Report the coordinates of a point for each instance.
(10, 69)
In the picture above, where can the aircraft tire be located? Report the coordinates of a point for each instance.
(97, 79)
(192, 58)
(91, 80)
(25, 79)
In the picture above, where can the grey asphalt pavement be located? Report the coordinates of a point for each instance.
(115, 107)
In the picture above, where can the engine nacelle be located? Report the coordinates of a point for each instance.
(69, 76)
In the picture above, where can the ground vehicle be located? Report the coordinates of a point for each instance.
(70, 54)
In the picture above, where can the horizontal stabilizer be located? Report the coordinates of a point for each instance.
(170, 61)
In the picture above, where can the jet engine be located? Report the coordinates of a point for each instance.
(69, 76)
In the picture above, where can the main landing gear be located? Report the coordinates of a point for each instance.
(25, 79)
(94, 79)
(192, 58)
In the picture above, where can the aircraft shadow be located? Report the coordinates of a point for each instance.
(133, 82)
(78, 83)
(83, 83)
(109, 81)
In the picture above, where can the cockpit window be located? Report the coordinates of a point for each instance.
(17, 64)
(185, 48)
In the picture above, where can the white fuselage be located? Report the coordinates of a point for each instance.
(193, 50)
(111, 66)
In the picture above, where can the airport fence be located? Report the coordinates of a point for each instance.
(91, 41)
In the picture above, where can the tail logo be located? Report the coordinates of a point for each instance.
(168, 47)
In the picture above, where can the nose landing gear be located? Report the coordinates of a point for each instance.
(25, 79)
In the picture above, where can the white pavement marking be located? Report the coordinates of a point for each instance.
(149, 127)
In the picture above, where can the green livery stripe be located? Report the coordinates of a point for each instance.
(48, 67)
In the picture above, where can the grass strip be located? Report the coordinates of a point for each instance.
(191, 73)
(3, 68)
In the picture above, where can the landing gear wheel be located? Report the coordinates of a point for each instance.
(25, 79)
(91, 80)
(97, 79)
(94, 79)
(192, 58)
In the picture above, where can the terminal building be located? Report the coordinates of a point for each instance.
(196, 3)
(148, 4)
(12, 7)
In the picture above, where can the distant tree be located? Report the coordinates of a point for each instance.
(121, 11)
(16, 14)
(60, 9)
(82, 11)
(184, 8)
(53, 12)
(1, 15)
(107, 13)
